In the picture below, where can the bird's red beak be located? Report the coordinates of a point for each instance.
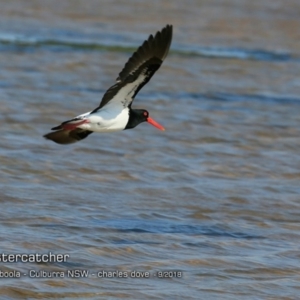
(155, 124)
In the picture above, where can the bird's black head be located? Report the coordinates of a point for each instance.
(137, 116)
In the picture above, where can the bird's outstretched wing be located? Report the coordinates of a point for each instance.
(139, 69)
(63, 136)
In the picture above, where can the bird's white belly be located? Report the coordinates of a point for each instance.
(107, 121)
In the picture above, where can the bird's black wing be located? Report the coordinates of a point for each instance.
(63, 136)
(139, 69)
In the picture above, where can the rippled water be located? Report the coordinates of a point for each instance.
(214, 198)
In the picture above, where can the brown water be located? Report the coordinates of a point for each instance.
(215, 196)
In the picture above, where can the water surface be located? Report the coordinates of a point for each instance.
(215, 196)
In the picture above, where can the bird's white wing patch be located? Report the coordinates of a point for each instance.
(125, 95)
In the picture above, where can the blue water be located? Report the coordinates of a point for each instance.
(214, 197)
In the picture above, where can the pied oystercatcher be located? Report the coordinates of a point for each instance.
(114, 112)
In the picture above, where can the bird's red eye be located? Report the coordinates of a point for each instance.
(145, 114)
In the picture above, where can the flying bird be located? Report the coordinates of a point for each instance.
(114, 112)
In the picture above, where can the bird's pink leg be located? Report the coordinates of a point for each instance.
(72, 126)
